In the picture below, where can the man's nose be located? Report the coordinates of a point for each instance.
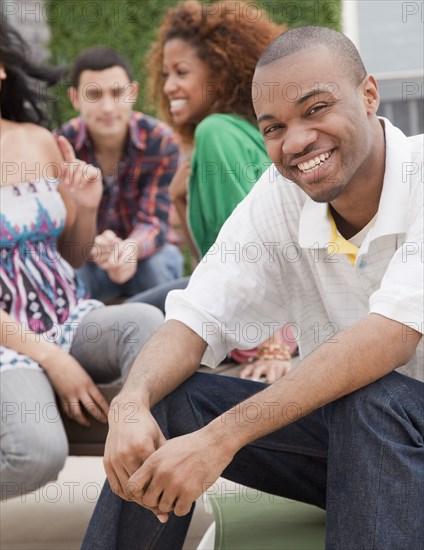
(297, 138)
(108, 102)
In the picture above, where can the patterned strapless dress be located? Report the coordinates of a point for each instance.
(38, 288)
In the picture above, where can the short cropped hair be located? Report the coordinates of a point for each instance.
(301, 38)
(97, 58)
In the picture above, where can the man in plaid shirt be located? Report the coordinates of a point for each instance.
(138, 156)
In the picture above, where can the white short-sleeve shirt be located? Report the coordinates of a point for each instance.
(272, 265)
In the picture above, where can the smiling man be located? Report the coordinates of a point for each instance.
(337, 226)
(137, 156)
(314, 134)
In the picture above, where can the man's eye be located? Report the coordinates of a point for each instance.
(271, 129)
(317, 108)
(93, 94)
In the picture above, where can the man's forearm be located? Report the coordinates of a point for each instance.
(362, 354)
(171, 356)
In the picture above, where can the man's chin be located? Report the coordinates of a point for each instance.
(109, 132)
(324, 195)
(318, 191)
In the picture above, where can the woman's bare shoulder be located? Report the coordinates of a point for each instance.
(29, 145)
(25, 131)
(46, 142)
(33, 130)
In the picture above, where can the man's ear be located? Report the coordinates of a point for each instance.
(371, 94)
(73, 96)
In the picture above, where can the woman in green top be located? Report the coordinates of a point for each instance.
(228, 158)
(201, 70)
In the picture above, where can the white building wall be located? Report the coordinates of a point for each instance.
(390, 37)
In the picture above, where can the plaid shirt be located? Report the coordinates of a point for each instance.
(136, 204)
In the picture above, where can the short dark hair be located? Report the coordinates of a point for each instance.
(301, 38)
(98, 58)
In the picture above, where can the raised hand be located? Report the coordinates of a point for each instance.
(82, 181)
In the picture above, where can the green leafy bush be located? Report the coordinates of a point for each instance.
(130, 26)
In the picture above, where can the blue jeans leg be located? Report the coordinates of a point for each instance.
(375, 497)
(97, 283)
(121, 525)
(164, 266)
(369, 442)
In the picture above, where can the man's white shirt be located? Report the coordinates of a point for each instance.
(273, 264)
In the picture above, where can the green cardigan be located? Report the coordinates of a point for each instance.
(229, 157)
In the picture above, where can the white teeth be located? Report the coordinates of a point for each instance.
(311, 164)
(176, 103)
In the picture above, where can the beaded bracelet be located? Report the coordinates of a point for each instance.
(269, 351)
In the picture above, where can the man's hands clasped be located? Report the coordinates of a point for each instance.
(163, 476)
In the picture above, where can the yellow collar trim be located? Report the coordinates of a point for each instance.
(340, 244)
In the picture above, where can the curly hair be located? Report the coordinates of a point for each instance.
(23, 94)
(229, 36)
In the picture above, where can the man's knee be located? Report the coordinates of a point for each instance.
(199, 400)
(180, 412)
(371, 404)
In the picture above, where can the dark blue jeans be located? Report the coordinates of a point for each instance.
(360, 457)
(164, 266)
